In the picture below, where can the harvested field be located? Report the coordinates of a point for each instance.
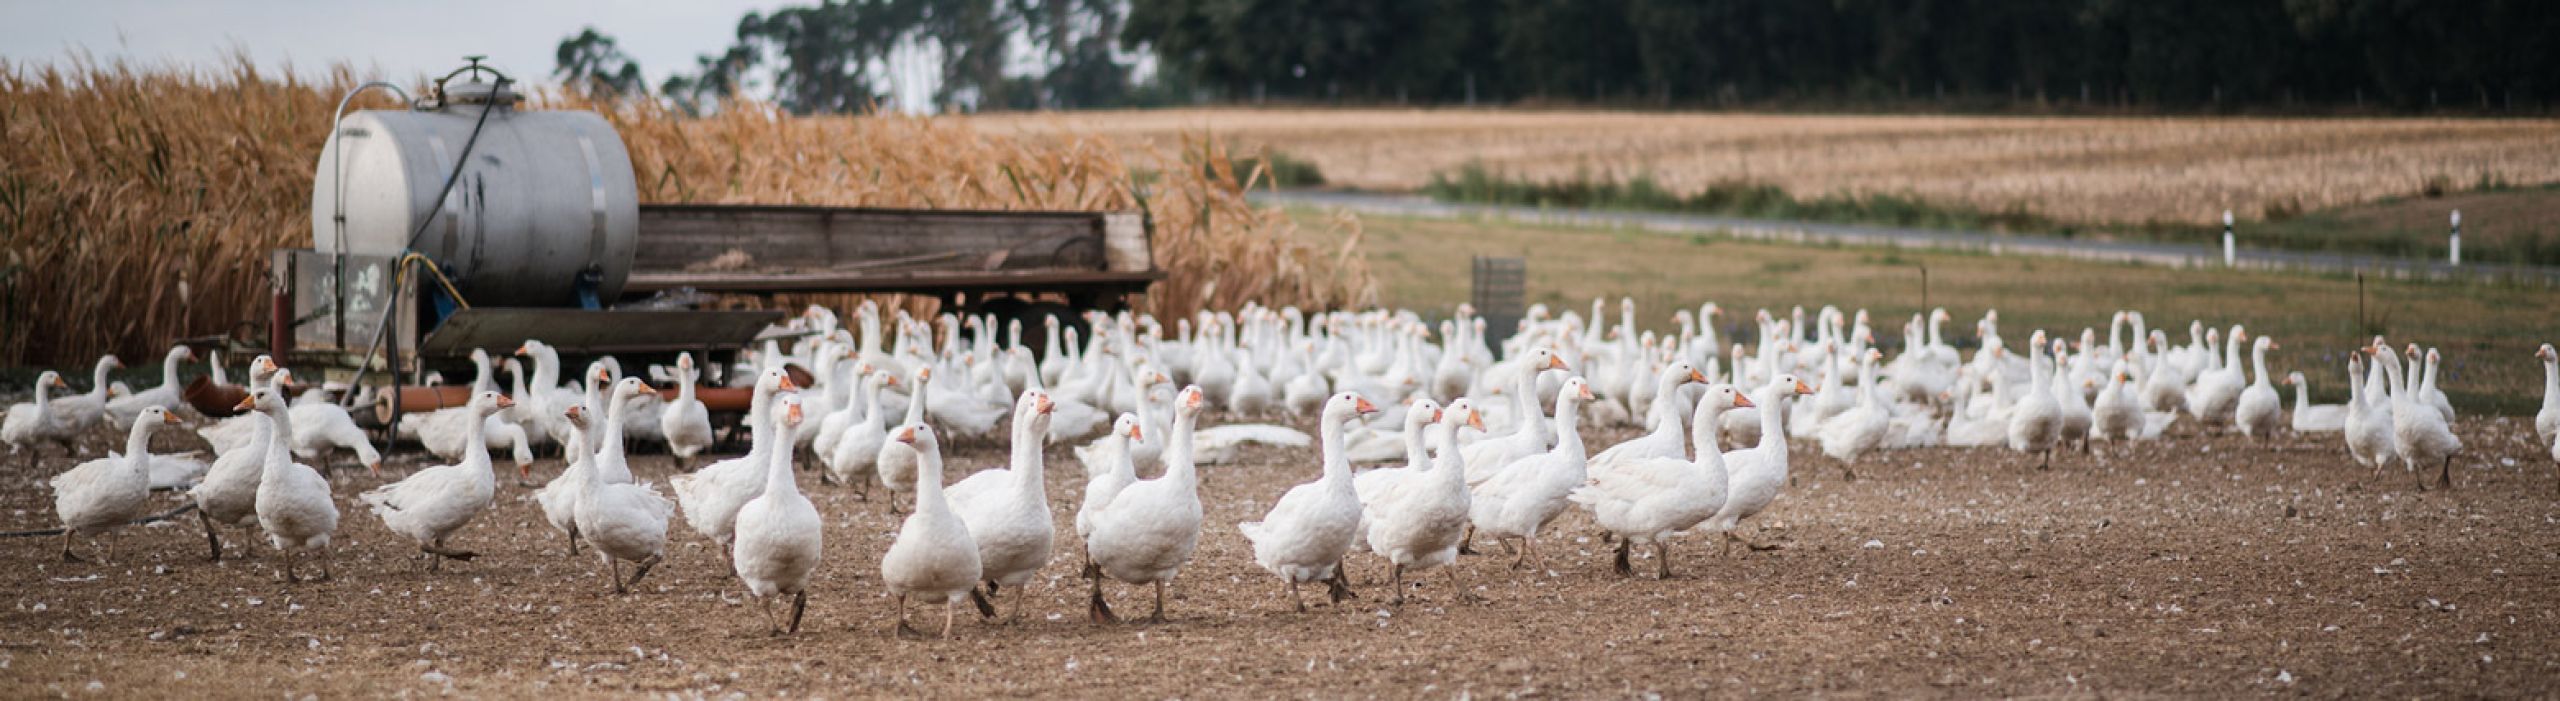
(2203, 566)
(2120, 170)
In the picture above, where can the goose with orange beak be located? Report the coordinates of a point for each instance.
(293, 502)
(711, 496)
(1755, 475)
(1146, 532)
(1416, 521)
(1519, 501)
(1007, 509)
(432, 504)
(1307, 532)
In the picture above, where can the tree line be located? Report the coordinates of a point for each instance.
(2167, 55)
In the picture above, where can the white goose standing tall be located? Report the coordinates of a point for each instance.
(1307, 532)
(779, 533)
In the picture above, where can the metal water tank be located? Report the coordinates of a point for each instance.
(545, 197)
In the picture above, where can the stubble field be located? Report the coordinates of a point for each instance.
(2115, 169)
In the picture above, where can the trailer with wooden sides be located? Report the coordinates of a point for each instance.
(462, 223)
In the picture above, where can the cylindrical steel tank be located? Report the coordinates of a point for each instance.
(545, 197)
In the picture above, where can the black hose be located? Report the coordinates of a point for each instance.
(383, 330)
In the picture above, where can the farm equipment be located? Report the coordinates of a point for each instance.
(462, 222)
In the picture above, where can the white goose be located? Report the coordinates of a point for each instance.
(685, 421)
(625, 520)
(1103, 482)
(779, 533)
(80, 413)
(1007, 508)
(1417, 518)
(2259, 407)
(1526, 494)
(2035, 423)
(228, 494)
(2070, 394)
(559, 498)
(1147, 531)
(2369, 408)
(2218, 388)
(1304, 536)
(432, 504)
(2313, 418)
(1852, 433)
(101, 495)
(711, 496)
(1649, 500)
(1485, 458)
(31, 423)
(2546, 423)
(1756, 474)
(897, 461)
(857, 456)
(1667, 421)
(2420, 433)
(2118, 413)
(293, 504)
(933, 558)
(121, 410)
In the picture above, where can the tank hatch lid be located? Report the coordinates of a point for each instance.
(480, 93)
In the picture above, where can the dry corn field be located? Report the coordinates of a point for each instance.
(161, 190)
(2078, 169)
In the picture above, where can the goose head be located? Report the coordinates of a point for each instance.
(1342, 407)
(918, 436)
(1128, 426)
(2293, 378)
(490, 402)
(1463, 412)
(1576, 390)
(2547, 354)
(1789, 380)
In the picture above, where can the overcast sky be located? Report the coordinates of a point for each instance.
(401, 40)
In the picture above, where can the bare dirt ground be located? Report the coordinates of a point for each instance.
(2197, 566)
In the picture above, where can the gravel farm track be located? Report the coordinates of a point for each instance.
(2196, 566)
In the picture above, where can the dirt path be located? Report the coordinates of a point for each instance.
(2192, 567)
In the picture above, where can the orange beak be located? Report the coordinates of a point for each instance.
(907, 435)
(1362, 405)
(644, 387)
(1475, 418)
(1137, 433)
(793, 415)
(505, 402)
(1438, 414)
(168, 418)
(246, 403)
(1044, 406)
(1584, 393)
(2271, 345)
(1741, 401)
(1697, 377)
(1802, 388)
(521, 350)
(892, 381)
(373, 468)
(59, 384)
(787, 385)
(1557, 363)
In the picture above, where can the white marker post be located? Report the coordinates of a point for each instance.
(2457, 237)
(2230, 255)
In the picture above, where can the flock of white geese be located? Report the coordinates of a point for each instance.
(1458, 445)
